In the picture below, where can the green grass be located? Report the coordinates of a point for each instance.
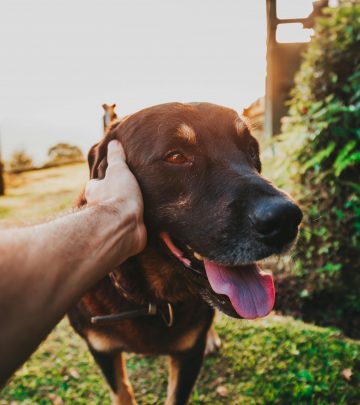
(277, 360)
(5, 212)
(38, 194)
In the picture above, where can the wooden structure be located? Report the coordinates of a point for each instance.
(283, 60)
(254, 116)
(109, 116)
(2, 181)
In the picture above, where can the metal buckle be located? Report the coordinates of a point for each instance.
(169, 321)
(152, 310)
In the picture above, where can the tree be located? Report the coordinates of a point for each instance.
(20, 161)
(64, 153)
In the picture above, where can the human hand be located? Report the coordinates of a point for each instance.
(120, 190)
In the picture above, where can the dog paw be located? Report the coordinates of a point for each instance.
(213, 342)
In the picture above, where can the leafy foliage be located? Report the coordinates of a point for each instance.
(64, 153)
(324, 121)
(20, 160)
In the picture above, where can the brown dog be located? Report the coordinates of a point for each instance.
(210, 216)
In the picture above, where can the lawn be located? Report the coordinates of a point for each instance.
(277, 360)
(41, 193)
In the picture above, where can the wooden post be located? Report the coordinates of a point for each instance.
(2, 181)
(283, 61)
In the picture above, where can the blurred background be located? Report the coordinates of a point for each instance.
(292, 69)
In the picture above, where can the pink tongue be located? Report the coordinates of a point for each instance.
(250, 291)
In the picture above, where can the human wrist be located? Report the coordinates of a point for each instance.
(123, 210)
(128, 213)
(118, 231)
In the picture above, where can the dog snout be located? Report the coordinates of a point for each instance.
(276, 220)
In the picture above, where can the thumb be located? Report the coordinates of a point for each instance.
(115, 154)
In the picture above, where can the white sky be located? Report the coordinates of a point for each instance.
(60, 60)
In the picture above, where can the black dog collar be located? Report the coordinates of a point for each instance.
(165, 310)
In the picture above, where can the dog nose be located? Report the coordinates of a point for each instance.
(276, 220)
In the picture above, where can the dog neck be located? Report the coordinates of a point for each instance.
(151, 277)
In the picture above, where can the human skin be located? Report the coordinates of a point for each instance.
(44, 269)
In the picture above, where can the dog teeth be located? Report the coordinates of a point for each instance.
(196, 254)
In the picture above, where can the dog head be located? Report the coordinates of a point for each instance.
(208, 210)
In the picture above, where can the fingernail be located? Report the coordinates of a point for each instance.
(113, 144)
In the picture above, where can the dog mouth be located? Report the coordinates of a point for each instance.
(250, 290)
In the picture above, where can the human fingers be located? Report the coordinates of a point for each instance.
(115, 154)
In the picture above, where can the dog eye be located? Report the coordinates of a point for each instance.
(176, 158)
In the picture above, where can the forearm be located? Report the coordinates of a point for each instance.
(44, 269)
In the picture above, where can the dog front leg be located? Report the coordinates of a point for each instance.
(124, 394)
(183, 371)
(113, 366)
(213, 342)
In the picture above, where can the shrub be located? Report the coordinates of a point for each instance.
(323, 129)
(64, 153)
(20, 160)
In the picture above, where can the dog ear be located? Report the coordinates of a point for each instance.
(91, 156)
(97, 158)
(93, 159)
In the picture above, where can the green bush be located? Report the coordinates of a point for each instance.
(64, 153)
(323, 131)
(20, 160)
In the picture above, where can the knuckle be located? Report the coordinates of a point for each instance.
(90, 188)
